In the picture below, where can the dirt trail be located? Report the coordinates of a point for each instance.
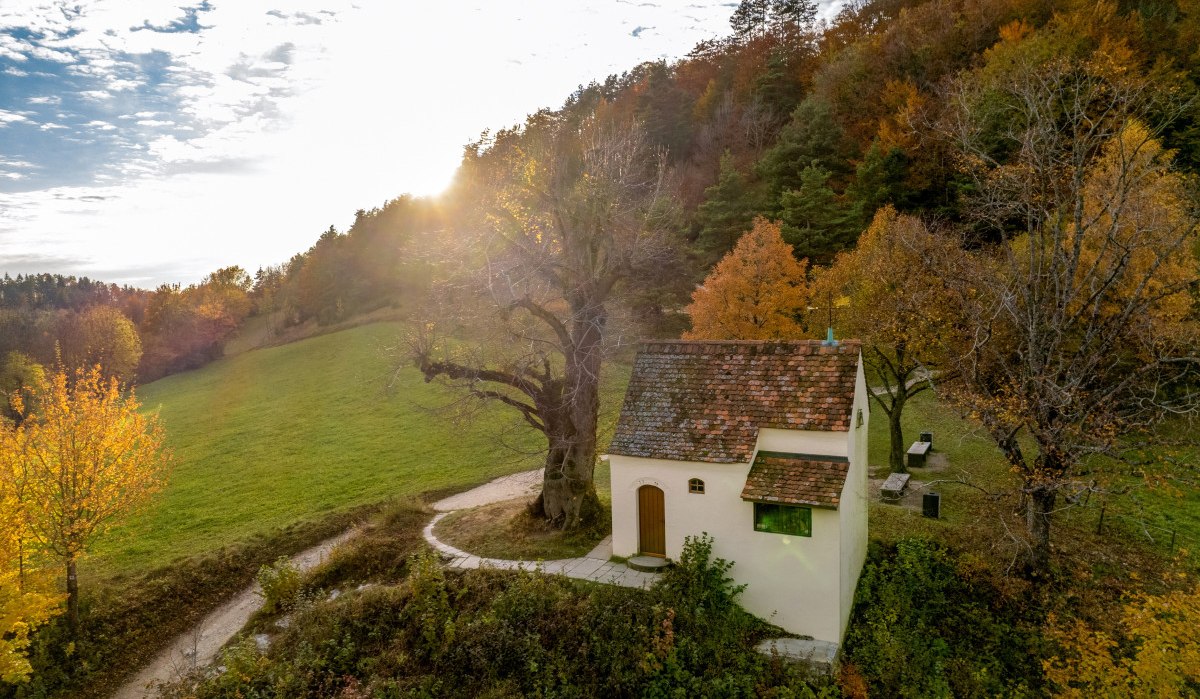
(198, 647)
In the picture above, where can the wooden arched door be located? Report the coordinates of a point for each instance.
(652, 522)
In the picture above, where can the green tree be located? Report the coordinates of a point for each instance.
(812, 138)
(99, 335)
(815, 223)
(729, 207)
(18, 371)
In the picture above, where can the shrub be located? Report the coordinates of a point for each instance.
(280, 583)
(698, 581)
(927, 623)
(513, 634)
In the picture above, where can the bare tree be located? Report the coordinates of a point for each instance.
(1081, 320)
(567, 210)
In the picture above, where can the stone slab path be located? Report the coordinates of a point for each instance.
(595, 566)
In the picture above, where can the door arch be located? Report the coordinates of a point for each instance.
(652, 522)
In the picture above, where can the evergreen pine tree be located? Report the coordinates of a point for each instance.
(728, 209)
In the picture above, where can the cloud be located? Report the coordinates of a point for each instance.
(50, 126)
(300, 17)
(45, 99)
(95, 95)
(13, 263)
(7, 117)
(47, 54)
(190, 22)
(637, 31)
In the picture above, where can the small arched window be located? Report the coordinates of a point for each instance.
(695, 485)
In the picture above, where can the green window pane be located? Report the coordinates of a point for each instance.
(781, 519)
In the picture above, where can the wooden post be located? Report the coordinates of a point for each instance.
(1100, 524)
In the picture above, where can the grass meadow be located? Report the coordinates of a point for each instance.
(284, 434)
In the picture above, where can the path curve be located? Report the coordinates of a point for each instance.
(199, 646)
(595, 566)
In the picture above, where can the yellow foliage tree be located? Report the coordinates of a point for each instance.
(84, 459)
(896, 306)
(26, 598)
(1161, 656)
(756, 292)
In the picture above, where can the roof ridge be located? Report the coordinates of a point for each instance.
(663, 346)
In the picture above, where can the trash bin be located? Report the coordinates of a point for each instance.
(931, 505)
(927, 437)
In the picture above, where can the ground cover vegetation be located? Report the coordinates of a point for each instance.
(1026, 168)
(500, 634)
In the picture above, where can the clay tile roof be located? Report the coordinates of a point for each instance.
(706, 400)
(796, 479)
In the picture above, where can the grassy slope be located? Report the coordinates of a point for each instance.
(968, 516)
(289, 433)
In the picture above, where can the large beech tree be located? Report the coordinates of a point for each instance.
(563, 213)
(1084, 327)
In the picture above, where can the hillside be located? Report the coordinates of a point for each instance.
(286, 434)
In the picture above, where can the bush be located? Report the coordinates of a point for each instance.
(280, 583)
(928, 623)
(698, 581)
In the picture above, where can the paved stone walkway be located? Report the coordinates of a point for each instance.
(595, 566)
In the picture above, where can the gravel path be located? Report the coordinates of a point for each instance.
(595, 566)
(517, 485)
(199, 647)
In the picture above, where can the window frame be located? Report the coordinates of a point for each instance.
(695, 486)
(763, 508)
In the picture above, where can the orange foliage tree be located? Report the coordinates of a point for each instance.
(1156, 653)
(756, 292)
(896, 307)
(82, 460)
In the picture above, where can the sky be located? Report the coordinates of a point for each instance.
(154, 142)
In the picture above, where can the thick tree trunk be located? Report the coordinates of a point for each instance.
(896, 449)
(72, 599)
(1038, 510)
(568, 490)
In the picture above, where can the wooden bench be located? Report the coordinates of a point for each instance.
(894, 486)
(917, 453)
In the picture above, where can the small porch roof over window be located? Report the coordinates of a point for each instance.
(796, 479)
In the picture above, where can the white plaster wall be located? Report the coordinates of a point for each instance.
(803, 442)
(852, 511)
(792, 581)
